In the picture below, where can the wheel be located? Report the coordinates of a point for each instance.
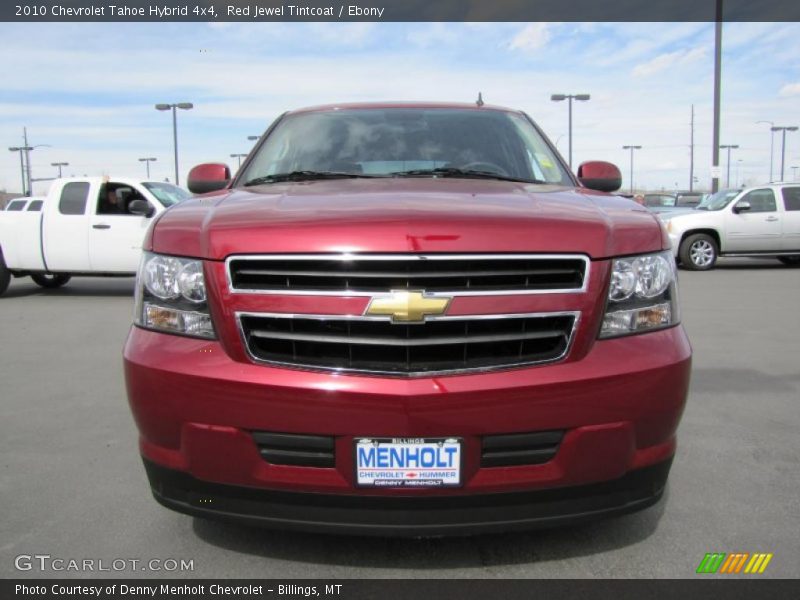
(790, 261)
(5, 275)
(50, 280)
(698, 252)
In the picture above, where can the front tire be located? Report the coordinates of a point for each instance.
(698, 252)
(50, 281)
(790, 261)
(5, 275)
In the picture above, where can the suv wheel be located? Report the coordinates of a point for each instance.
(790, 261)
(698, 252)
(5, 275)
(50, 280)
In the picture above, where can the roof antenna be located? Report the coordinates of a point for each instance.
(479, 101)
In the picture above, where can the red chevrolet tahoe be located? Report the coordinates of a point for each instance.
(406, 319)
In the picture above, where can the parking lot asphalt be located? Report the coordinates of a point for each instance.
(72, 485)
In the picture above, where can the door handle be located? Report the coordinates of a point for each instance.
(772, 219)
(101, 226)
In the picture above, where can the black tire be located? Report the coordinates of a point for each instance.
(698, 252)
(5, 275)
(50, 280)
(790, 261)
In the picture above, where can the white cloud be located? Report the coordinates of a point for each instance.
(790, 89)
(667, 60)
(531, 37)
(434, 34)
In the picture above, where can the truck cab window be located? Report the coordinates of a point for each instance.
(761, 201)
(791, 198)
(115, 198)
(35, 206)
(73, 198)
(16, 205)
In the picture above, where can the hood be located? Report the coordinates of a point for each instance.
(406, 215)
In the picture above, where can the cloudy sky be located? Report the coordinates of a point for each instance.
(88, 90)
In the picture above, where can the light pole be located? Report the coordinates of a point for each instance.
(239, 157)
(631, 148)
(59, 165)
(26, 165)
(147, 162)
(771, 145)
(570, 98)
(174, 107)
(783, 143)
(738, 164)
(22, 152)
(717, 96)
(728, 147)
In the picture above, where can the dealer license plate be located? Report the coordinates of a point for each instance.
(408, 462)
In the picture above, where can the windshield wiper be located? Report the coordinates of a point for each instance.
(305, 176)
(466, 173)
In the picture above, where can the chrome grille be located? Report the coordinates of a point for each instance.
(438, 346)
(366, 274)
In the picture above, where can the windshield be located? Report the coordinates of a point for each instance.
(406, 142)
(166, 193)
(659, 200)
(717, 201)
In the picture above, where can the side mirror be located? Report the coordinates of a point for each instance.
(600, 175)
(141, 207)
(208, 177)
(742, 206)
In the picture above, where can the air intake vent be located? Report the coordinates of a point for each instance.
(520, 448)
(367, 274)
(295, 450)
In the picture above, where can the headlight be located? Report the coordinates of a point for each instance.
(171, 296)
(642, 295)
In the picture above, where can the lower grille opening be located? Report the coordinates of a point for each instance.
(295, 450)
(520, 448)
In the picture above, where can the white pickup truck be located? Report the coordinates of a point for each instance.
(84, 226)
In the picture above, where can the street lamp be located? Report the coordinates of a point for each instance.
(59, 165)
(783, 144)
(253, 138)
(771, 145)
(239, 157)
(22, 151)
(173, 107)
(631, 148)
(570, 98)
(147, 162)
(26, 167)
(728, 147)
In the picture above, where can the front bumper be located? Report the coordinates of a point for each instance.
(404, 516)
(196, 407)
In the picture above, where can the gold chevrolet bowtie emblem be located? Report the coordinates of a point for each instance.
(407, 307)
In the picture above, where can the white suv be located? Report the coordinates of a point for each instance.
(756, 221)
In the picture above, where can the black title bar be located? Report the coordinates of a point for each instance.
(733, 588)
(398, 10)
